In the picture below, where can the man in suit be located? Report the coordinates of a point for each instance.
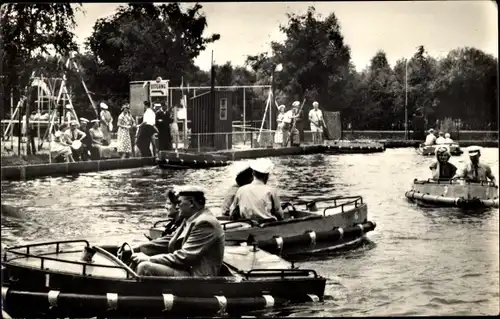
(195, 249)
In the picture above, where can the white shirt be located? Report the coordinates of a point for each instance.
(440, 140)
(316, 117)
(287, 118)
(448, 140)
(430, 139)
(149, 117)
(257, 201)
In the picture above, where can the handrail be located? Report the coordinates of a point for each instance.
(453, 181)
(57, 243)
(355, 202)
(83, 264)
(282, 272)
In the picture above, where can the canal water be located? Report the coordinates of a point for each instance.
(420, 261)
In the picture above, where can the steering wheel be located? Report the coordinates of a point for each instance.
(121, 250)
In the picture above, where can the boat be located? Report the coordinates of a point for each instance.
(457, 193)
(341, 225)
(74, 279)
(426, 150)
(177, 160)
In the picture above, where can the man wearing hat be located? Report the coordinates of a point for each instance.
(257, 201)
(474, 171)
(317, 123)
(431, 138)
(76, 136)
(196, 247)
(244, 176)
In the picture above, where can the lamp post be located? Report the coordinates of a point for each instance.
(406, 99)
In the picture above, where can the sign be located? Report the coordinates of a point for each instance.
(158, 88)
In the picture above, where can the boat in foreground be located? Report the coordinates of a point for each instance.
(342, 225)
(59, 279)
(458, 193)
(427, 150)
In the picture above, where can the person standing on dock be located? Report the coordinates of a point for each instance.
(257, 201)
(106, 123)
(124, 123)
(474, 171)
(317, 123)
(164, 118)
(278, 135)
(146, 130)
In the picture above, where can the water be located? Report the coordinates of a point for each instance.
(424, 261)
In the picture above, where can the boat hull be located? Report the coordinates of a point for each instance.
(175, 160)
(429, 150)
(457, 193)
(340, 226)
(61, 285)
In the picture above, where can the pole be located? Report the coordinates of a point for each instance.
(11, 113)
(244, 118)
(268, 102)
(406, 99)
(212, 93)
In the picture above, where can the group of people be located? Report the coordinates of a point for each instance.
(287, 132)
(474, 171)
(196, 246)
(442, 138)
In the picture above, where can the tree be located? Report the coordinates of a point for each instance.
(143, 41)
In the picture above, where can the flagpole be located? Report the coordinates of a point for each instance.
(406, 99)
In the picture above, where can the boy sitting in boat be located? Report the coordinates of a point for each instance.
(195, 249)
(474, 171)
(244, 176)
(430, 138)
(442, 168)
(440, 139)
(257, 201)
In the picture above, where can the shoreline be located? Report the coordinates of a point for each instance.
(23, 171)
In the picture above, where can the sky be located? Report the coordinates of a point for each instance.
(398, 28)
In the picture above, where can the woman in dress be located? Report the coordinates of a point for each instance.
(125, 124)
(278, 135)
(97, 137)
(106, 123)
(62, 144)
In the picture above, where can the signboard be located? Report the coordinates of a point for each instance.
(158, 88)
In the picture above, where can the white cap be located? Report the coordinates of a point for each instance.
(315, 103)
(447, 135)
(186, 189)
(262, 165)
(474, 150)
(157, 104)
(83, 120)
(94, 121)
(103, 106)
(282, 106)
(73, 122)
(296, 103)
(68, 106)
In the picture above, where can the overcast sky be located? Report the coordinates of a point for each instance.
(247, 28)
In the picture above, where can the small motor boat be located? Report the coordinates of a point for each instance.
(426, 150)
(74, 279)
(342, 225)
(458, 193)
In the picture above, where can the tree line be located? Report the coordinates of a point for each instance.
(142, 41)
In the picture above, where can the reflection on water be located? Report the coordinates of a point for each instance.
(420, 261)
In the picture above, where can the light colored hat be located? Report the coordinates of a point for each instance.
(157, 104)
(431, 130)
(315, 103)
(282, 106)
(474, 150)
(68, 106)
(94, 121)
(441, 134)
(296, 103)
(73, 122)
(125, 106)
(103, 106)
(447, 135)
(83, 120)
(187, 190)
(262, 165)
